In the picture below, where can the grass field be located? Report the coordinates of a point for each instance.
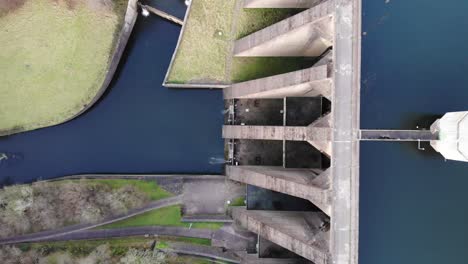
(53, 59)
(150, 188)
(168, 216)
(203, 51)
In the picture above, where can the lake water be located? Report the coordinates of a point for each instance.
(414, 63)
(138, 127)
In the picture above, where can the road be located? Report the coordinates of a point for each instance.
(135, 231)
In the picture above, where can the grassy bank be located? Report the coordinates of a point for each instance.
(53, 59)
(117, 248)
(205, 45)
(150, 188)
(50, 205)
(168, 216)
(204, 56)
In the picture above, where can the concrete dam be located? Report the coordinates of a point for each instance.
(294, 137)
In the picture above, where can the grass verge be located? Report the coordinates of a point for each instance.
(118, 246)
(168, 216)
(239, 201)
(84, 247)
(150, 188)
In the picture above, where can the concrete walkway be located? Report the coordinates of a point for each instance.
(51, 234)
(203, 251)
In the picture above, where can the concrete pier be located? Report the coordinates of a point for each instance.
(310, 184)
(311, 134)
(162, 14)
(397, 135)
(304, 233)
(254, 259)
(318, 134)
(308, 34)
(312, 82)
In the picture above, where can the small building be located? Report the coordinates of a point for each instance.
(453, 136)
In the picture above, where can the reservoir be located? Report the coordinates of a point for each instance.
(413, 204)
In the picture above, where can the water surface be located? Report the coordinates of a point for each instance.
(414, 63)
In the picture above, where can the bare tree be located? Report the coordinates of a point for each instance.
(46, 205)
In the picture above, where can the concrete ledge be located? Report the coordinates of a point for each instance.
(254, 259)
(299, 232)
(202, 251)
(310, 82)
(308, 33)
(312, 185)
(281, 3)
(345, 109)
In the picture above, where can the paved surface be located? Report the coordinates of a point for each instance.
(234, 238)
(51, 234)
(204, 197)
(345, 143)
(203, 251)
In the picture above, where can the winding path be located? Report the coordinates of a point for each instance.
(52, 234)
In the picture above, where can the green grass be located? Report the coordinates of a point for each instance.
(82, 248)
(118, 246)
(252, 20)
(53, 60)
(202, 53)
(162, 245)
(250, 68)
(168, 216)
(150, 188)
(239, 201)
(192, 240)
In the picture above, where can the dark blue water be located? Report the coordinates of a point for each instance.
(413, 204)
(138, 127)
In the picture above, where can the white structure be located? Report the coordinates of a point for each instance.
(453, 136)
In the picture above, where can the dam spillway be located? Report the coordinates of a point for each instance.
(334, 27)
